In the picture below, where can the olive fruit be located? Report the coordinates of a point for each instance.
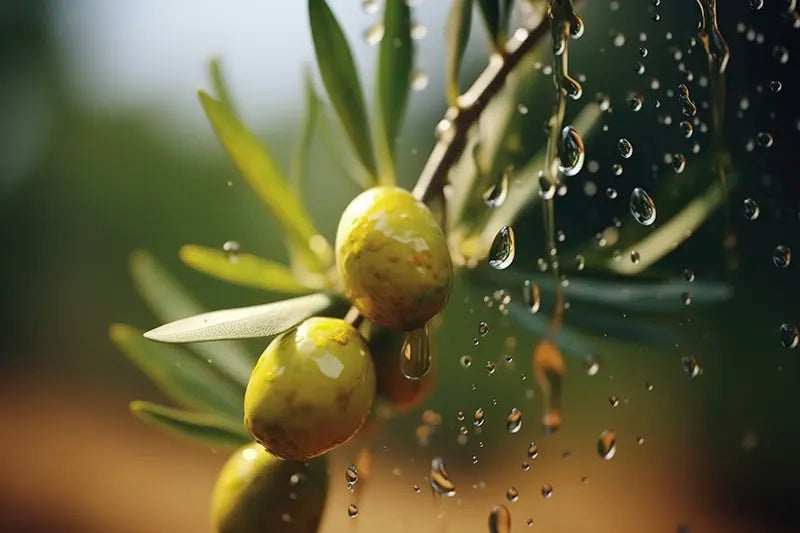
(311, 389)
(402, 394)
(258, 493)
(393, 259)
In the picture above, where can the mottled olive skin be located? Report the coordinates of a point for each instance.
(311, 389)
(252, 494)
(393, 259)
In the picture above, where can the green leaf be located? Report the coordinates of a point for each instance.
(496, 14)
(181, 376)
(219, 85)
(170, 301)
(341, 80)
(201, 427)
(459, 23)
(243, 269)
(243, 322)
(300, 157)
(263, 175)
(395, 60)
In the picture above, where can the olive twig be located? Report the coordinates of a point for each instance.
(459, 119)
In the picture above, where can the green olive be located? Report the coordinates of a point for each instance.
(258, 493)
(311, 389)
(393, 259)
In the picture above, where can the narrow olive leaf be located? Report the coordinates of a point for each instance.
(341, 80)
(395, 60)
(297, 174)
(243, 322)
(219, 85)
(205, 428)
(262, 174)
(192, 383)
(496, 14)
(340, 154)
(243, 269)
(170, 301)
(490, 9)
(457, 29)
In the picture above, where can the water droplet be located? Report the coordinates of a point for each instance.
(419, 80)
(526, 466)
(751, 209)
(688, 107)
(640, 440)
(374, 34)
(580, 262)
(691, 366)
(789, 335)
(616, 168)
(512, 494)
(607, 444)
(635, 257)
(479, 417)
(531, 295)
(514, 421)
(370, 7)
(351, 475)
(415, 362)
(635, 102)
(686, 298)
(755, 5)
(648, 387)
(591, 366)
(490, 367)
(625, 148)
(466, 361)
(611, 193)
(502, 251)
(499, 519)
(352, 510)
(496, 194)
(775, 86)
(416, 489)
(440, 482)
(642, 207)
(782, 256)
(614, 401)
(781, 53)
(764, 139)
(547, 189)
(418, 31)
(483, 329)
(547, 491)
(686, 128)
(678, 163)
(688, 275)
(533, 451)
(231, 248)
(571, 152)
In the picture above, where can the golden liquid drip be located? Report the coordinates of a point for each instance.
(548, 369)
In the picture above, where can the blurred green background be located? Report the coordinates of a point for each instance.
(104, 149)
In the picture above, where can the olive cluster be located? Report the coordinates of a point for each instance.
(313, 387)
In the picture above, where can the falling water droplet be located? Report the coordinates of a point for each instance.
(782, 256)
(479, 417)
(691, 366)
(789, 335)
(483, 329)
(231, 249)
(547, 491)
(688, 107)
(512, 494)
(415, 362)
(765, 139)
(678, 163)
(635, 257)
(496, 194)
(419, 80)
(440, 482)
(642, 207)
(614, 401)
(688, 275)
(580, 262)
(751, 209)
(531, 295)
(466, 361)
(499, 519)
(686, 129)
(635, 102)
(571, 152)
(514, 421)
(625, 148)
(533, 451)
(502, 251)
(351, 475)
(352, 510)
(370, 7)
(547, 189)
(607, 444)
